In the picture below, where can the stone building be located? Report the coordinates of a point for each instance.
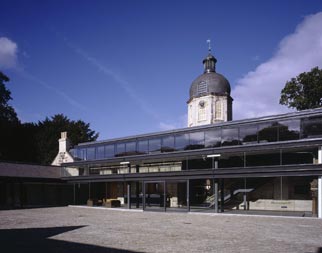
(210, 101)
(266, 164)
(269, 165)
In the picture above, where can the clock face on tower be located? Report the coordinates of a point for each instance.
(202, 104)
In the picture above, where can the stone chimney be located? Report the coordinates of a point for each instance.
(64, 143)
(63, 155)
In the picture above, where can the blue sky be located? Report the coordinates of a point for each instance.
(126, 66)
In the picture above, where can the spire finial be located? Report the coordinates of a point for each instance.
(209, 46)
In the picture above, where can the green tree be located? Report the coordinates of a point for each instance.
(304, 91)
(7, 113)
(9, 122)
(35, 143)
(48, 133)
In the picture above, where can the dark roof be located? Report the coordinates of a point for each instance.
(27, 170)
(216, 83)
(209, 82)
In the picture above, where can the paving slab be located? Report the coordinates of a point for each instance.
(74, 229)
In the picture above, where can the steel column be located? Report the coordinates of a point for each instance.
(188, 195)
(222, 195)
(74, 193)
(215, 191)
(143, 195)
(320, 197)
(129, 195)
(320, 186)
(165, 195)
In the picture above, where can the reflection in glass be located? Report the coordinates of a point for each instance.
(213, 138)
(81, 153)
(109, 151)
(248, 134)
(155, 145)
(182, 141)
(289, 130)
(168, 144)
(268, 132)
(130, 148)
(197, 140)
(100, 154)
(120, 149)
(312, 127)
(143, 146)
(230, 136)
(91, 153)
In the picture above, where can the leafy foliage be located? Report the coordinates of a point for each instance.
(31, 142)
(7, 113)
(304, 91)
(48, 133)
(8, 120)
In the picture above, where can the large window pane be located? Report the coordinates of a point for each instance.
(81, 153)
(267, 132)
(130, 148)
(197, 140)
(109, 151)
(182, 141)
(213, 138)
(100, 154)
(289, 130)
(299, 156)
(120, 149)
(168, 144)
(264, 158)
(248, 134)
(229, 136)
(143, 146)
(312, 127)
(155, 145)
(91, 153)
(231, 160)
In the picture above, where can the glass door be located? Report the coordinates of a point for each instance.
(154, 196)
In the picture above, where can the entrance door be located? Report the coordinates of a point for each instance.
(177, 195)
(154, 196)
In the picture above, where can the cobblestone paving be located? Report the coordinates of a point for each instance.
(75, 229)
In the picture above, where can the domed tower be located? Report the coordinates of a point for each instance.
(210, 99)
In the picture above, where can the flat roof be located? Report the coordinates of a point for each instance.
(297, 114)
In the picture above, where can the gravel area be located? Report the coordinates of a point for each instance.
(77, 229)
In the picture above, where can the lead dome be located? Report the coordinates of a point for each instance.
(209, 82)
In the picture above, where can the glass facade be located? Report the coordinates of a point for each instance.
(215, 136)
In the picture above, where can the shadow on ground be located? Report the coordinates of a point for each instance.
(36, 240)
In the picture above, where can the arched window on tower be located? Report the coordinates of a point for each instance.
(202, 111)
(218, 110)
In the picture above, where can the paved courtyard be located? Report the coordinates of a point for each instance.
(75, 229)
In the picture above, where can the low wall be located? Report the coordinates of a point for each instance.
(281, 205)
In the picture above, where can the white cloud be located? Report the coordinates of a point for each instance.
(258, 92)
(8, 53)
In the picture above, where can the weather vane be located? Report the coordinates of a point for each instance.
(209, 46)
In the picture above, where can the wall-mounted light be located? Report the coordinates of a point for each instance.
(213, 155)
(122, 163)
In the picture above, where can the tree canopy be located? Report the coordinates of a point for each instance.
(304, 91)
(49, 130)
(35, 142)
(7, 113)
